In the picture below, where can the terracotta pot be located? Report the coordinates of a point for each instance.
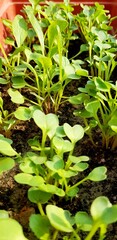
(9, 8)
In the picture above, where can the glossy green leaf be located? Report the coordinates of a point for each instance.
(27, 166)
(52, 189)
(3, 81)
(101, 85)
(74, 133)
(79, 167)
(6, 164)
(55, 165)
(16, 96)
(113, 122)
(40, 226)
(61, 146)
(48, 123)
(36, 158)
(25, 178)
(99, 205)
(23, 113)
(19, 27)
(109, 216)
(93, 106)
(6, 149)
(36, 25)
(79, 159)
(52, 124)
(82, 72)
(58, 219)
(18, 82)
(37, 196)
(40, 119)
(98, 174)
(10, 229)
(72, 192)
(83, 221)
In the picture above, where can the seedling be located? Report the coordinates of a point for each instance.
(50, 166)
(98, 99)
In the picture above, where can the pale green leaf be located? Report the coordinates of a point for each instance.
(98, 207)
(58, 219)
(16, 96)
(19, 27)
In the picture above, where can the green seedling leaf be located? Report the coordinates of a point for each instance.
(40, 225)
(75, 159)
(72, 192)
(52, 124)
(3, 81)
(6, 164)
(101, 85)
(27, 166)
(79, 167)
(25, 178)
(93, 106)
(45, 62)
(4, 214)
(60, 132)
(66, 173)
(10, 229)
(19, 27)
(23, 113)
(99, 205)
(58, 218)
(74, 133)
(78, 99)
(52, 189)
(61, 145)
(113, 122)
(6, 149)
(18, 82)
(5, 139)
(16, 96)
(83, 221)
(37, 196)
(97, 174)
(40, 119)
(55, 165)
(36, 25)
(109, 216)
(82, 72)
(35, 158)
(48, 123)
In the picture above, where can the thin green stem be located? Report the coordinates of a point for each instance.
(78, 183)
(93, 231)
(41, 209)
(55, 235)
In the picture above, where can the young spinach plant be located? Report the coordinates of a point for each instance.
(98, 108)
(48, 169)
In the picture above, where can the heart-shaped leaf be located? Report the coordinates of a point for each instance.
(97, 174)
(74, 133)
